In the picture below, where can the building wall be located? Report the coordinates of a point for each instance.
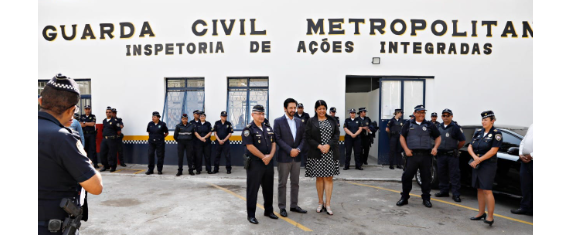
(135, 85)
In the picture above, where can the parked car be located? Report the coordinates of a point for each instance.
(507, 179)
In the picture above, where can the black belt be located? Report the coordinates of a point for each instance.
(446, 151)
(421, 152)
(110, 137)
(89, 132)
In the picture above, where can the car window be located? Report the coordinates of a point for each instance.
(509, 141)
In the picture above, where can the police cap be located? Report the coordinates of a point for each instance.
(224, 114)
(64, 83)
(156, 114)
(259, 108)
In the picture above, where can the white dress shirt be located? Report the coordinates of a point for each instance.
(527, 144)
(292, 126)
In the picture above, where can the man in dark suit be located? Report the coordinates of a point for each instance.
(289, 133)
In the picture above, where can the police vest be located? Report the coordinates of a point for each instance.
(447, 139)
(419, 136)
(397, 126)
(185, 132)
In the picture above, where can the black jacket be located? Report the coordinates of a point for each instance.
(314, 137)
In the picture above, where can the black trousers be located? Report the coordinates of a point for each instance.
(159, 147)
(108, 151)
(394, 156)
(355, 144)
(223, 149)
(203, 149)
(448, 172)
(527, 184)
(365, 146)
(195, 164)
(422, 161)
(121, 150)
(185, 146)
(260, 175)
(90, 147)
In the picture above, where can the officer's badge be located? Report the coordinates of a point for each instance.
(80, 148)
(246, 133)
(489, 135)
(90, 118)
(498, 137)
(159, 126)
(110, 123)
(302, 120)
(446, 134)
(356, 122)
(367, 123)
(228, 126)
(268, 129)
(401, 124)
(424, 128)
(258, 141)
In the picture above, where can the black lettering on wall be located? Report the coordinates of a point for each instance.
(195, 31)
(123, 26)
(49, 36)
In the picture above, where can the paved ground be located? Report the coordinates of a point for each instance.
(363, 202)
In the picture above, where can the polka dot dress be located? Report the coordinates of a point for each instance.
(325, 166)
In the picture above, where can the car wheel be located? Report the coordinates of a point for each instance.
(434, 184)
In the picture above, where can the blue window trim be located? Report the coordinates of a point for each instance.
(185, 89)
(248, 88)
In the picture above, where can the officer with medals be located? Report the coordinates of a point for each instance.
(222, 130)
(157, 131)
(332, 113)
(486, 143)
(434, 119)
(184, 133)
(452, 139)
(366, 135)
(259, 140)
(88, 124)
(109, 145)
(120, 138)
(416, 140)
(195, 122)
(393, 128)
(352, 140)
(204, 146)
(65, 173)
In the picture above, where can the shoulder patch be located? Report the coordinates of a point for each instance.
(498, 137)
(246, 133)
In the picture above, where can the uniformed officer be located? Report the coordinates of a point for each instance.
(204, 146)
(332, 113)
(195, 122)
(393, 128)
(259, 140)
(352, 140)
(434, 119)
(88, 124)
(64, 169)
(120, 138)
(416, 139)
(301, 114)
(222, 130)
(109, 145)
(452, 139)
(366, 135)
(157, 132)
(184, 133)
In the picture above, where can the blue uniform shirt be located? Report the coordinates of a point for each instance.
(482, 144)
(203, 129)
(157, 131)
(62, 165)
(352, 125)
(91, 118)
(456, 131)
(76, 126)
(110, 127)
(222, 130)
(261, 139)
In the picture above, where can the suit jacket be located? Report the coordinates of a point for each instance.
(314, 137)
(285, 141)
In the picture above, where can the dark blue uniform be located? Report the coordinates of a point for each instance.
(62, 166)
(448, 158)
(90, 137)
(352, 143)
(418, 140)
(483, 175)
(156, 142)
(109, 145)
(204, 148)
(395, 126)
(222, 131)
(259, 174)
(184, 135)
(121, 143)
(366, 139)
(195, 141)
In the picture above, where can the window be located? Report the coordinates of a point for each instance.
(243, 94)
(183, 95)
(509, 141)
(84, 88)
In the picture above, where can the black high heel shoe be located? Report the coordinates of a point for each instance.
(489, 222)
(482, 217)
